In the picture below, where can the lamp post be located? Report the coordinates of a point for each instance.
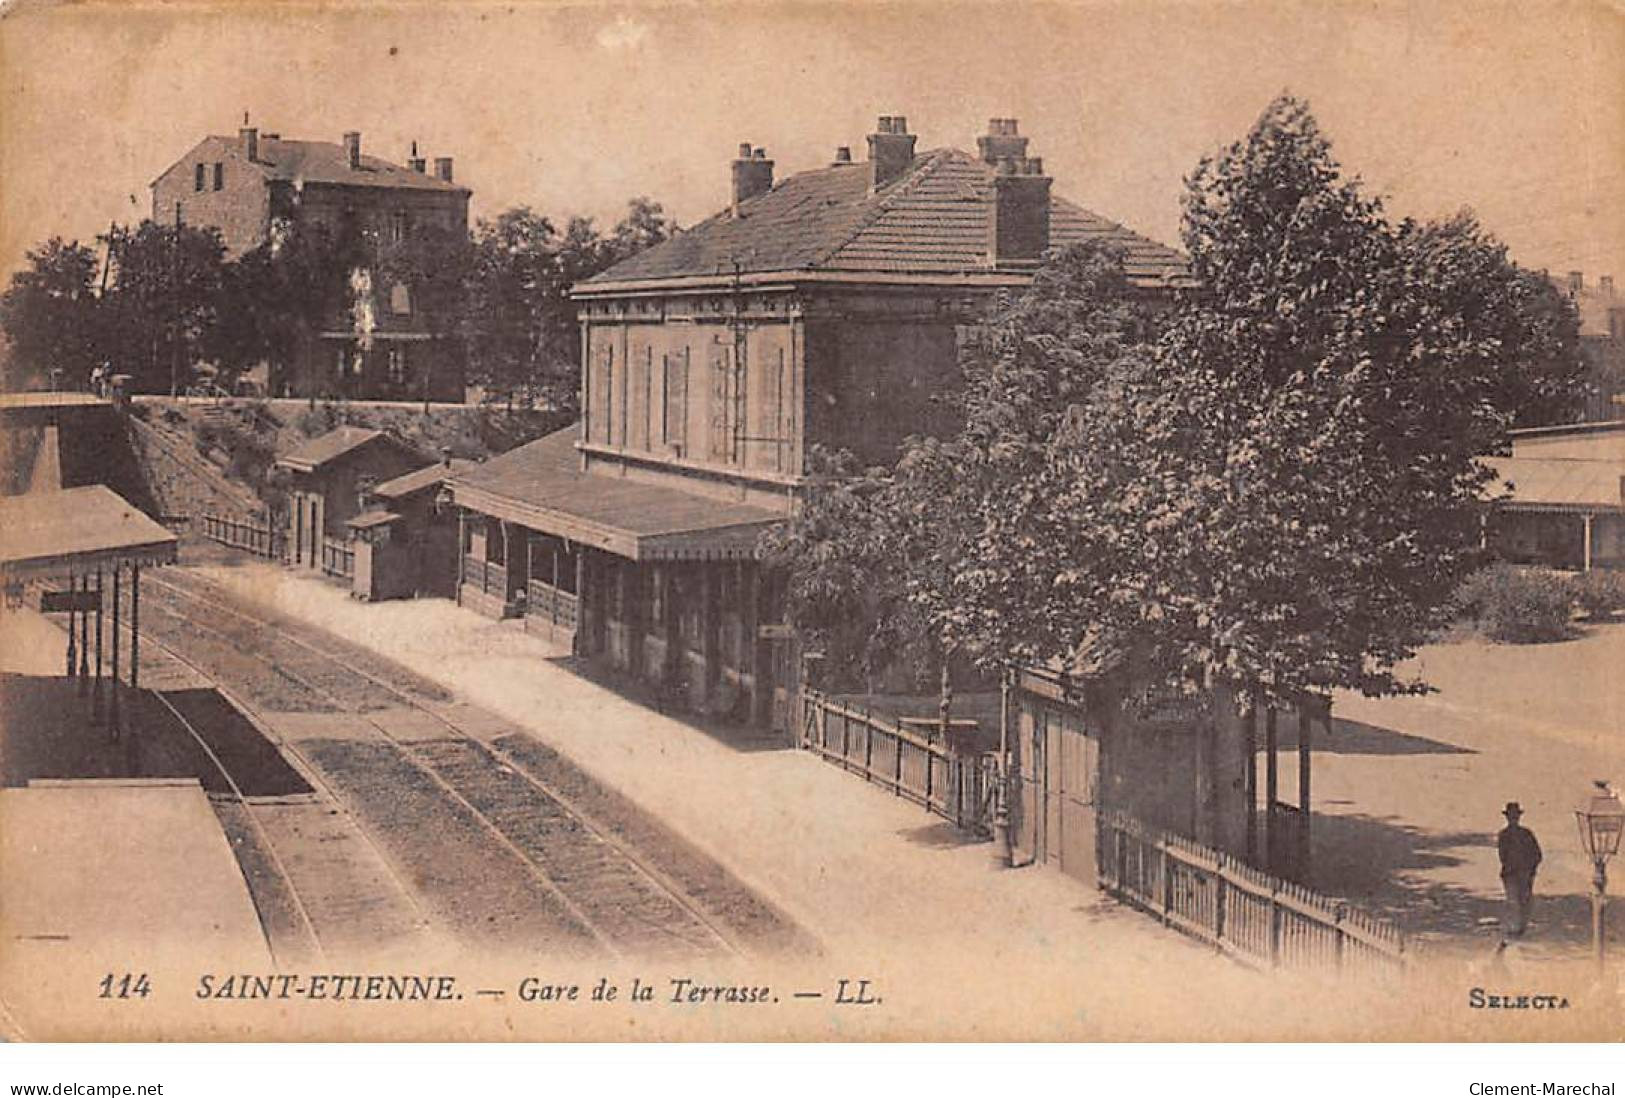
(1601, 819)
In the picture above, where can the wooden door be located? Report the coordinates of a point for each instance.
(1050, 732)
(1028, 763)
(1076, 777)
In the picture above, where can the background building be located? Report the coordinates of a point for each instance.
(244, 186)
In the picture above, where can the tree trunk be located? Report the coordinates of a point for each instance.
(945, 700)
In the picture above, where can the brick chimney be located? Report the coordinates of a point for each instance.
(1606, 284)
(1577, 281)
(251, 142)
(752, 174)
(1018, 224)
(442, 168)
(891, 150)
(843, 155)
(1002, 141)
(416, 162)
(352, 149)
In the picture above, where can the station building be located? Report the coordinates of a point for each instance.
(825, 308)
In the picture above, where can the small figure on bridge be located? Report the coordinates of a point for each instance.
(1520, 857)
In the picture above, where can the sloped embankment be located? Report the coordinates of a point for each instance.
(183, 482)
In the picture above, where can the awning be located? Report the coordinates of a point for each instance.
(368, 519)
(541, 486)
(1557, 484)
(49, 533)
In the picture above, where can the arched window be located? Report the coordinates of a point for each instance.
(400, 299)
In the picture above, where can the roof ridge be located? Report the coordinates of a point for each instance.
(874, 211)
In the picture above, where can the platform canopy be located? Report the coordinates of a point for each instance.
(77, 529)
(541, 486)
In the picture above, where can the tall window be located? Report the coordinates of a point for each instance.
(397, 365)
(400, 299)
(674, 418)
(197, 177)
(601, 395)
(397, 226)
(219, 175)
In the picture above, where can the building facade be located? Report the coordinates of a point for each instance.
(824, 309)
(1559, 499)
(384, 344)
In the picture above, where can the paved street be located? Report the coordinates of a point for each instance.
(1410, 790)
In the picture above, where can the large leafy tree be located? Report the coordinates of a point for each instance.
(520, 336)
(51, 316)
(1281, 492)
(520, 324)
(1272, 486)
(1315, 420)
(277, 296)
(164, 303)
(434, 263)
(846, 593)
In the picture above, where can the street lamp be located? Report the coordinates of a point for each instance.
(1602, 819)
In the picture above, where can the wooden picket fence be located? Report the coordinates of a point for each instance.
(921, 768)
(262, 540)
(1243, 911)
(338, 557)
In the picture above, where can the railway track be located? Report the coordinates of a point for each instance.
(308, 940)
(606, 894)
(284, 954)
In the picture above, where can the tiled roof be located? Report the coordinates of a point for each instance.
(932, 220)
(323, 162)
(333, 445)
(540, 485)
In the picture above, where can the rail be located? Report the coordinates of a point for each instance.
(1243, 911)
(338, 557)
(958, 786)
(262, 541)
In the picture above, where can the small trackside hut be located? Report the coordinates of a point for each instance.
(406, 540)
(1079, 746)
(327, 478)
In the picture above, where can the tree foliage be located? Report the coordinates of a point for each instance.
(51, 316)
(1272, 485)
(521, 325)
(163, 306)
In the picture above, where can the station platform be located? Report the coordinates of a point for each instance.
(116, 876)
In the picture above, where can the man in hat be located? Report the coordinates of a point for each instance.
(1520, 855)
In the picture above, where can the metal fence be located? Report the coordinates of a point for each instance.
(956, 786)
(1245, 912)
(338, 557)
(261, 540)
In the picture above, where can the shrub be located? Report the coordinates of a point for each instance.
(1518, 605)
(318, 420)
(207, 435)
(1600, 593)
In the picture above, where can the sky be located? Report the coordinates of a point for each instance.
(1514, 110)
